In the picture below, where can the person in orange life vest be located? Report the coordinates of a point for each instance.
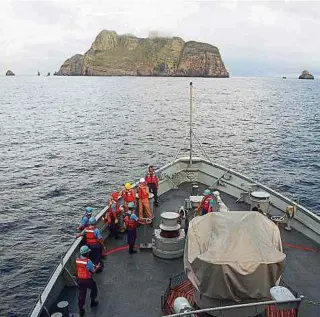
(84, 269)
(131, 221)
(153, 183)
(85, 219)
(113, 214)
(206, 204)
(128, 195)
(94, 241)
(143, 195)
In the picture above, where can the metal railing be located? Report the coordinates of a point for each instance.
(182, 277)
(294, 302)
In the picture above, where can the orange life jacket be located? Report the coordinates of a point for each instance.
(130, 223)
(113, 212)
(151, 179)
(81, 268)
(143, 192)
(206, 204)
(129, 195)
(114, 207)
(91, 239)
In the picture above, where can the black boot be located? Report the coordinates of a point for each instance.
(94, 303)
(131, 249)
(81, 312)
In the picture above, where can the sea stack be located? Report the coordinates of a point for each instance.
(306, 75)
(10, 73)
(127, 55)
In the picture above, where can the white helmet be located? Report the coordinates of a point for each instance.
(142, 180)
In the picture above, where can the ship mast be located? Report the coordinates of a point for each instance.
(190, 159)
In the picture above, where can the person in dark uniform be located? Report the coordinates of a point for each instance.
(94, 241)
(131, 220)
(85, 268)
(153, 183)
(85, 219)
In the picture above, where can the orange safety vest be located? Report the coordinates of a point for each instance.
(130, 223)
(143, 192)
(206, 204)
(91, 239)
(114, 208)
(81, 268)
(152, 179)
(129, 195)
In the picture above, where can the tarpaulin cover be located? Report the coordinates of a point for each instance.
(234, 256)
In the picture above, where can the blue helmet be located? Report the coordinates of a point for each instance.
(92, 221)
(207, 192)
(130, 204)
(89, 210)
(84, 250)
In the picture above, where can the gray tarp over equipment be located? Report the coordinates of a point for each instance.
(233, 256)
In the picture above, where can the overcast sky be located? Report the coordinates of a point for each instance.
(267, 38)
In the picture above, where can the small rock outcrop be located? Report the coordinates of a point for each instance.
(126, 55)
(306, 75)
(10, 73)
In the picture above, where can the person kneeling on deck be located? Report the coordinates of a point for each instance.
(94, 241)
(131, 221)
(129, 196)
(206, 204)
(143, 195)
(85, 219)
(84, 269)
(113, 214)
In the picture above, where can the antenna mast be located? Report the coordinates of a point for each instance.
(190, 159)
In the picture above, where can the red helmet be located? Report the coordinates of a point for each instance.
(115, 195)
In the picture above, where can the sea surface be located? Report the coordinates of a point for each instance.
(67, 142)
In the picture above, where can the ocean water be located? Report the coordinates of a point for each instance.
(67, 142)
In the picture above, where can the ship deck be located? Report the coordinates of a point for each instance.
(132, 285)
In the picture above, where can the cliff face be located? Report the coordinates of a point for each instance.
(127, 55)
(72, 66)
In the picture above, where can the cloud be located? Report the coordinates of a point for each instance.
(253, 37)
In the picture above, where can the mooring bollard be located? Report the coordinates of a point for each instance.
(63, 307)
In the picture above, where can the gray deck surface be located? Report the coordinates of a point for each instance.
(132, 285)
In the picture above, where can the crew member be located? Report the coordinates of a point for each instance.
(206, 204)
(94, 241)
(131, 221)
(113, 215)
(85, 219)
(143, 194)
(84, 269)
(129, 196)
(153, 183)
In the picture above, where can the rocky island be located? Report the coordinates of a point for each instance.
(306, 75)
(126, 55)
(10, 73)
